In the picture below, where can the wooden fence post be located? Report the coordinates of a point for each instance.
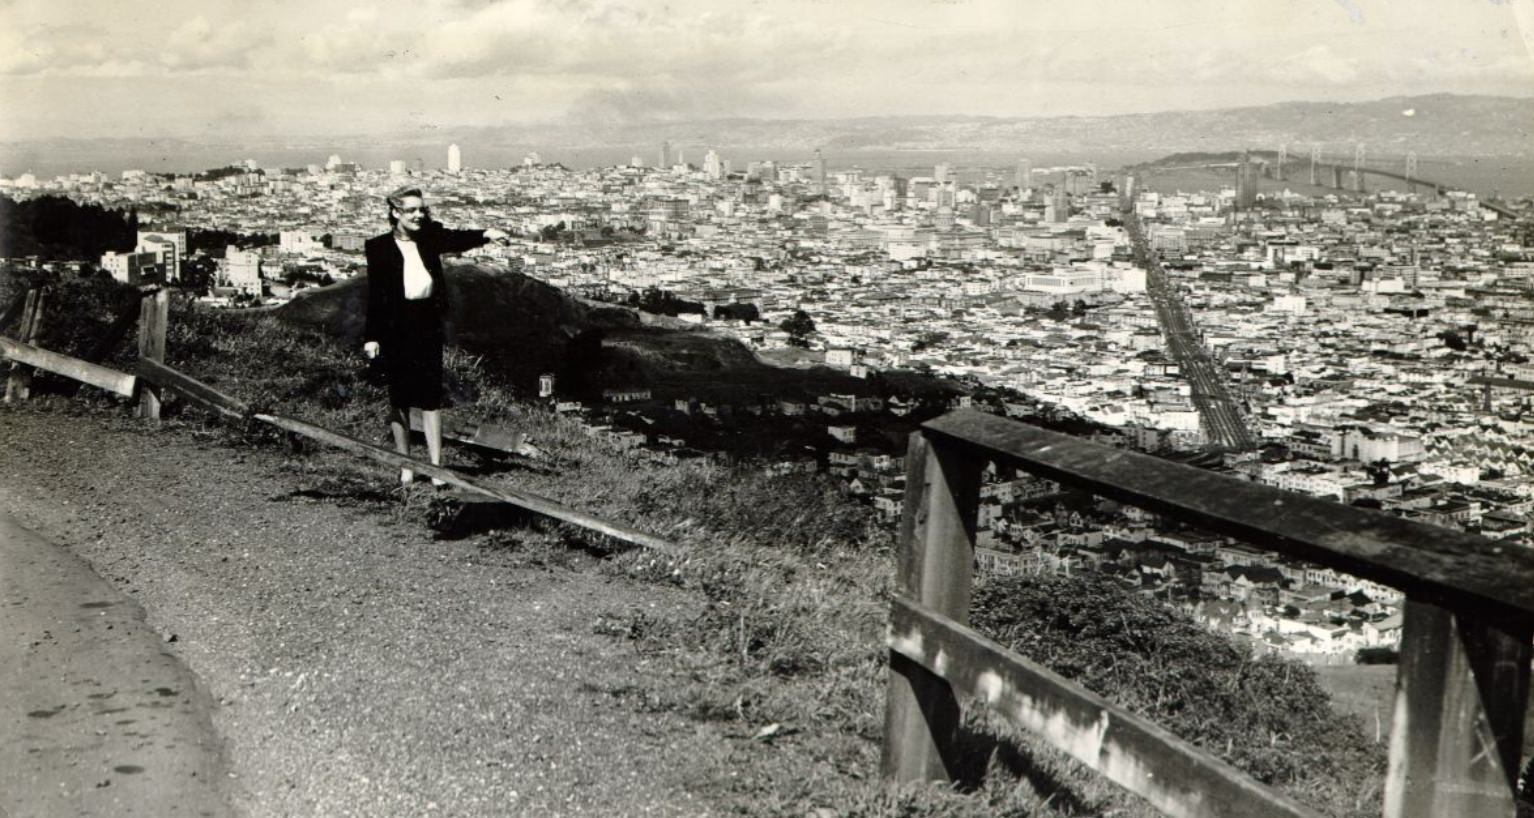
(18, 387)
(154, 313)
(936, 561)
(1457, 734)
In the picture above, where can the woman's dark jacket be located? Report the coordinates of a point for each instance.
(386, 278)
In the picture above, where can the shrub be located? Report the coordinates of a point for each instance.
(1267, 716)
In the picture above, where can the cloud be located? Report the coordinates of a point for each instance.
(51, 49)
(197, 44)
(1318, 64)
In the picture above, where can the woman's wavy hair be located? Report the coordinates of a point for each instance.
(396, 200)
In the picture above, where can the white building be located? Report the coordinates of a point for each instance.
(172, 255)
(242, 270)
(132, 267)
(298, 241)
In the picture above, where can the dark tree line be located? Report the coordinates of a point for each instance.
(661, 302)
(737, 312)
(213, 241)
(57, 228)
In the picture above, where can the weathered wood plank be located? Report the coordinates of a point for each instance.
(937, 551)
(528, 500)
(158, 373)
(1177, 778)
(154, 314)
(1432, 564)
(101, 377)
(1457, 735)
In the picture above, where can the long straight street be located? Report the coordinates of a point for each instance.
(1221, 418)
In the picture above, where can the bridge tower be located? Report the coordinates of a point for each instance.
(1315, 163)
(1358, 167)
(1283, 156)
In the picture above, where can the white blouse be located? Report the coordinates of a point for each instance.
(417, 278)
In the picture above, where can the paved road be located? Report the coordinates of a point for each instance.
(95, 717)
(1221, 417)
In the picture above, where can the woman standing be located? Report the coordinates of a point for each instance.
(406, 301)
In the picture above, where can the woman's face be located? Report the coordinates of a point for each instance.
(411, 213)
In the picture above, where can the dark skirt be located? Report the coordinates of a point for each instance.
(414, 366)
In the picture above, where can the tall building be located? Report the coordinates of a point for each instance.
(1024, 174)
(333, 161)
(1246, 183)
(454, 159)
(820, 172)
(712, 167)
(396, 167)
(1060, 201)
(665, 155)
(242, 270)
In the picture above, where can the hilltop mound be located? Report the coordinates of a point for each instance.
(524, 327)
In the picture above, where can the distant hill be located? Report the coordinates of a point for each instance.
(1437, 124)
(1444, 125)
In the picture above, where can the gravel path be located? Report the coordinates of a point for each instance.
(357, 666)
(96, 719)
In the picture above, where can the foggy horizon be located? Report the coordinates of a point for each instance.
(196, 70)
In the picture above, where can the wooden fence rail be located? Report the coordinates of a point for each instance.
(153, 376)
(1462, 685)
(101, 377)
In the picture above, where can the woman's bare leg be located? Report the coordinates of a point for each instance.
(431, 424)
(399, 426)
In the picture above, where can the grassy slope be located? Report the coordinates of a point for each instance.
(796, 579)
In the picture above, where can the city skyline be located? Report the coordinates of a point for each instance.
(198, 69)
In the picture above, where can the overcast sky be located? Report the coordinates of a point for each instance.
(191, 67)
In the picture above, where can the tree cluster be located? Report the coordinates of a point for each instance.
(663, 302)
(799, 326)
(737, 312)
(214, 241)
(57, 228)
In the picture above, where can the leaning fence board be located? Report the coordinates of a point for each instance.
(156, 372)
(483, 435)
(1443, 566)
(522, 499)
(96, 375)
(1174, 776)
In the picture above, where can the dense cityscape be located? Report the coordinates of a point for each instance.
(1343, 344)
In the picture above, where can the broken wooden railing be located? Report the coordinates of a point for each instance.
(1462, 683)
(153, 376)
